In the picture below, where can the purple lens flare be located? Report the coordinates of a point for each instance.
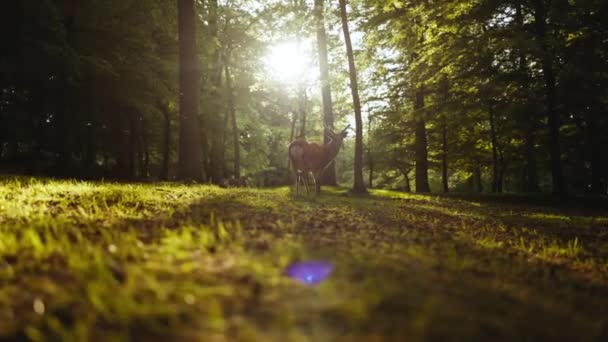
(309, 272)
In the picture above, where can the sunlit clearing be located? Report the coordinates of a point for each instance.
(291, 62)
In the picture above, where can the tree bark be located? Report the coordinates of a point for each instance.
(444, 138)
(477, 183)
(358, 185)
(164, 174)
(406, 177)
(302, 99)
(214, 118)
(494, 142)
(235, 129)
(294, 119)
(422, 163)
(531, 170)
(329, 175)
(190, 149)
(444, 157)
(540, 17)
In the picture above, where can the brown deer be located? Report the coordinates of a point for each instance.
(310, 158)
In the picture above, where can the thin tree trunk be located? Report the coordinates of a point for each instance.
(477, 183)
(358, 186)
(329, 175)
(444, 139)
(422, 163)
(235, 128)
(190, 148)
(444, 157)
(303, 99)
(540, 17)
(164, 175)
(291, 138)
(64, 98)
(215, 121)
(531, 170)
(132, 146)
(406, 177)
(494, 142)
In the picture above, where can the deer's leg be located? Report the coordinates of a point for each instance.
(305, 178)
(315, 178)
(297, 174)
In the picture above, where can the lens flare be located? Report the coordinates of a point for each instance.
(310, 272)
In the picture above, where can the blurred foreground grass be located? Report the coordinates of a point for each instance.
(98, 261)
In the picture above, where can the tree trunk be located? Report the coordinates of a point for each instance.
(190, 149)
(477, 183)
(531, 170)
(214, 118)
(422, 163)
(164, 174)
(64, 97)
(444, 139)
(444, 157)
(406, 177)
(235, 128)
(132, 145)
(329, 175)
(303, 99)
(358, 186)
(291, 138)
(494, 142)
(540, 17)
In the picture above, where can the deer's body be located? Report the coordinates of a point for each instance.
(312, 159)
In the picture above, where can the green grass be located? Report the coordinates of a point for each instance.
(101, 261)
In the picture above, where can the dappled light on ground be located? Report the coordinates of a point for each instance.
(203, 263)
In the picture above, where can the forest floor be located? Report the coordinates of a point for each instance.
(98, 261)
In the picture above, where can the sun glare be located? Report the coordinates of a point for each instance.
(291, 62)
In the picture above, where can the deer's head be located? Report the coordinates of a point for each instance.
(336, 138)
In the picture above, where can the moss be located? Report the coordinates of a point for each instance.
(165, 261)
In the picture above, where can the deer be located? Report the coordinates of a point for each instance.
(312, 159)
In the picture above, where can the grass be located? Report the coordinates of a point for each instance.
(101, 261)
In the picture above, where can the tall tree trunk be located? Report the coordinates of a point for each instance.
(164, 174)
(422, 163)
(214, 118)
(358, 186)
(444, 157)
(190, 149)
(64, 97)
(531, 169)
(370, 158)
(302, 100)
(133, 145)
(329, 175)
(540, 17)
(494, 141)
(235, 128)
(444, 138)
(477, 183)
(294, 119)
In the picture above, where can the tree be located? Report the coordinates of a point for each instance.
(358, 185)
(540, 20)
(190, 153)
(329, 176)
